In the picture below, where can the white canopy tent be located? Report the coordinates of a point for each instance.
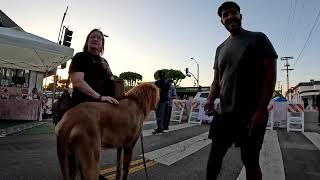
(22, 50)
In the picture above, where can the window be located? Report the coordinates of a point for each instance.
(2, 73)
(204, 95)
(26, 76)
(9, 74)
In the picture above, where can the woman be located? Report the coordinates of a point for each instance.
(90, 74)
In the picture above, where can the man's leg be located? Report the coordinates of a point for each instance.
(168, 118)
(216, 155)
(165, 116)
(319, 116)
(250, 151)
(159, 116)
(250, 159)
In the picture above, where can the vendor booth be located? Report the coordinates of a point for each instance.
(24, 61)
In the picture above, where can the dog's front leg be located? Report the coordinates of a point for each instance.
(126, 161)
(119, 162)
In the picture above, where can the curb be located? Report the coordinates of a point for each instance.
(14, 129)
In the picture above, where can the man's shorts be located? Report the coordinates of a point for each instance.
(229, 128)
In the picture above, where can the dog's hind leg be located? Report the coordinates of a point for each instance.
(126, 161)
(119, 162)
(87, 154)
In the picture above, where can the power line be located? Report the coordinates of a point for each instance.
(286, 37)
(308, 38)
(292, 32)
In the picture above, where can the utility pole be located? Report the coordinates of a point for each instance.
(55, 73)
(197, 71)
(287, 65)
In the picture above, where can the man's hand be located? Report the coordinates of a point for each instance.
(257, 119)
(209, 108)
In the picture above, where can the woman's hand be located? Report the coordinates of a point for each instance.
(109, 99)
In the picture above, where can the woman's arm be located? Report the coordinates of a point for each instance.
(77, 80)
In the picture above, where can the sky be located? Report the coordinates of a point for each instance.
(148, 35)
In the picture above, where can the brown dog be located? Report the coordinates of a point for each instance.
(85, 128)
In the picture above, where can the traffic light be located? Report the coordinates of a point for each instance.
(187, 72)
(67, 37)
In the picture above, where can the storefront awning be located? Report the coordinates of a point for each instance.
(22, 50)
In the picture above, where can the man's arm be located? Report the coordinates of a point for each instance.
(269, 82)
(214, 92)
(173, 93)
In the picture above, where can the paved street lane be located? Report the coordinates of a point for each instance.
(178, 154)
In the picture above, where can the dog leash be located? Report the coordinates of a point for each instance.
(144, 159)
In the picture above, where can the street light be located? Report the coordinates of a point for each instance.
(197, 71)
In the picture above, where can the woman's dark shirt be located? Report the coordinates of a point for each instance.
(98, 78)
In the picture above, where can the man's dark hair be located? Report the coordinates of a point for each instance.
(228, 5)
(170, 81)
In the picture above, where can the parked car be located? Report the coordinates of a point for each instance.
(202, 97)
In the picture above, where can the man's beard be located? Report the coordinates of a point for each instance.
(233, 25)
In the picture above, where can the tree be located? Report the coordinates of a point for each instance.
(49, 87)
(115, 77)
(131, 78)
(277, 93)
(62, 83)
(175, 75)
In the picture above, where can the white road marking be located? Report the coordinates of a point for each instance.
(270, 159)
(175, 152)
(148, 132)
(314, 138)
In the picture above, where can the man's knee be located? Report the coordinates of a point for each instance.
(250, 158)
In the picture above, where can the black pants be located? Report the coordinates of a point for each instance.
(162, 115)
(319, 115)
(167, 122)
(226, 132)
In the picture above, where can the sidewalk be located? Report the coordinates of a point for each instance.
(311, 121)
(8, 127)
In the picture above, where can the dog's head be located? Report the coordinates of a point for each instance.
(146, 95)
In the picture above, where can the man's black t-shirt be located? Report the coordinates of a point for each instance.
(240, 62)
(164, 89)
(98, 78)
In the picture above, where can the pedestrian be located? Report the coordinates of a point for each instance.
(172, 96)
(163, 107)
(244, 80)
(318, 106)
(90, 74)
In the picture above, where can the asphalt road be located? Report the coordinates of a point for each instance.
(179, 154)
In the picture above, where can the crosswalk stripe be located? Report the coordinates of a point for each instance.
(270, 159)
(148, 132)
(173, 153)
(149, 122)
(314, 138)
